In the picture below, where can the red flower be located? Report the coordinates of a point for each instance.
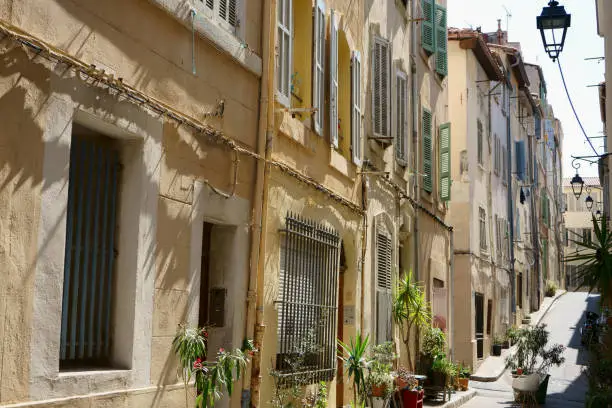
(221, 350)
(197, 364)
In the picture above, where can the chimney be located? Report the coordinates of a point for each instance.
(500, 33)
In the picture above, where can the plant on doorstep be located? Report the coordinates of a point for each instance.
(498, 341)
(212, 378)
(551, 289)
(463, 373)
(595, 264)
(380, 378)
(355, 363)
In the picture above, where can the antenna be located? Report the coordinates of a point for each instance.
(508, 17)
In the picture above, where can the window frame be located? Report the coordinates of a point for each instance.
(385, 290)
(401, 117)
(333, 80)
(284, 31)
(318, 67)
(356, 110)
(482, 224)
(480, 142)
(384, 86)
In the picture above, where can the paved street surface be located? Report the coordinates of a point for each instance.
(568, 383)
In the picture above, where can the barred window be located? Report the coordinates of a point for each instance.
(307, 304)
(93, 194)
(483, 228)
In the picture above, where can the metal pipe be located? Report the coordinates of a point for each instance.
(415, 141)
(255, 315)
(510, 205)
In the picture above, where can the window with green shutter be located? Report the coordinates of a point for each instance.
(427, 152)
(445, 159)
(440, 41)
(427, 26)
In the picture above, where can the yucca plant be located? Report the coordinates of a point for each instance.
(211, 377)
(355, 363)
(410, 309)
(595, 263)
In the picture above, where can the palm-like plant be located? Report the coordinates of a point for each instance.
(410, 309)
(595, 268)
(355, 364)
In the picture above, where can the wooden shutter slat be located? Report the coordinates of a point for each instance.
(356, 107)
(440, 39)
(427, 27)
(381, 88)
(445, 162)
(333, 80)
(319, 66)
(427, 164)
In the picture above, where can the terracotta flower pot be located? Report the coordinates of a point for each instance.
(463, 383)
(378, 391)
(400, 382)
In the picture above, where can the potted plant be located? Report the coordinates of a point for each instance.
(380, 378)
(497, 345)
(355, 363)
(410, 310)
(464, 374)
(434, 343)
(533, 357)
(511, 336)
(442, 370)
(403, 377)
(551, 289)
(595, 264)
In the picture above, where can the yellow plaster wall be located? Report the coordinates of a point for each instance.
(21, 156)
(286, 196)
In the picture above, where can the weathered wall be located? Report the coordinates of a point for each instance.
(156, 58)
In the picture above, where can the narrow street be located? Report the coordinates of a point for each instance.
(568, 383)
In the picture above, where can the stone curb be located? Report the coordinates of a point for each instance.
(513, 349)
(458, 402)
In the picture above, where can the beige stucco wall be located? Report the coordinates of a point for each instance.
(154, 57)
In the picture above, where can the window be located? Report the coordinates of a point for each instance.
(91, 251)
(519, 290)
(489, 315)
(445, 159)
(520, 159)
(383, 287)
(284, 26)
(401, 113)
(380, 90)
(498, 237)
(480, 142)
(497, 155)
(482, 216)
(356, 107)
(333, 80)
(427, 152)
(318, 69)
(308, 286)
(224, 12)
(205, 275)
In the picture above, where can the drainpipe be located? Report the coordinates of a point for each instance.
(492, 235)
(534, 288)
(255, 315)
(416, 191)
(451, 232)
(511, 202)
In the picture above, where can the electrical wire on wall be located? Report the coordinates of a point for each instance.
(569, 98)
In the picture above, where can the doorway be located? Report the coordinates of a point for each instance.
(479, 324)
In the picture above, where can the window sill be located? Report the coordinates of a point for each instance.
(219, 36)
(111, 372)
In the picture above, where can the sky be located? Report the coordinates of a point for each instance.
(518, 17)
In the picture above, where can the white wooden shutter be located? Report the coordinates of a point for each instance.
(383, 287)
(284, 24)
(380, 89)
(227, 11)
(333, 79)
(210, 4)
(356, 107)
(401, 115)
(318, 59)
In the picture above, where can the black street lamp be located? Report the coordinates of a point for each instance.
(577, 185)
(589, 202)
(553, 24)
(598, 215)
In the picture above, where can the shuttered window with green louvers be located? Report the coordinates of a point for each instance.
(427, 26)
(427, 165)
(440, 40)
(445, 162)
